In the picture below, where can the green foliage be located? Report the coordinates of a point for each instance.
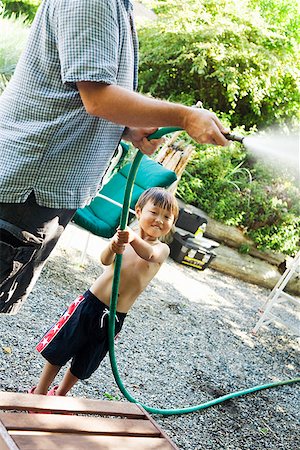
(14, 32)
(244, 249)
(111, 397)
(26, 8)
(239, 57)
(264, 205)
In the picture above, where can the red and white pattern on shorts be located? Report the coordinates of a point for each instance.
(58, 326)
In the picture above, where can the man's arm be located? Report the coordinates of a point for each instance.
(134, 110)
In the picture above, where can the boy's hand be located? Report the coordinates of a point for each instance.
(125, 236)
(116, 247)
(131, 235)
(119, 240)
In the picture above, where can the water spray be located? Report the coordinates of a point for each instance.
(276, 150)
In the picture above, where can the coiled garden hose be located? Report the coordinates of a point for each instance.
(113, 306)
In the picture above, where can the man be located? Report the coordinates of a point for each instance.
(70, 101)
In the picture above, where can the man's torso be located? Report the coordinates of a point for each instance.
(48, 143)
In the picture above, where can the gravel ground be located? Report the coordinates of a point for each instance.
(187, 340)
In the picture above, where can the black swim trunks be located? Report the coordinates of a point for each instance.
(81, 334)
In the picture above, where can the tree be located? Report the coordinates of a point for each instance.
(239, 57)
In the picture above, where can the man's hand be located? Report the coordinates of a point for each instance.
(138, 137)
(204, 127)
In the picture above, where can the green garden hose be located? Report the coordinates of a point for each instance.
(113, 306)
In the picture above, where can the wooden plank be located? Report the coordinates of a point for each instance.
(90, 442)
(78, 424)
(4, 445)
(135, 430)
(21, 402)
(162, 433)
(6, 441)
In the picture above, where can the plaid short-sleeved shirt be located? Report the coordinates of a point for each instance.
(48, 143)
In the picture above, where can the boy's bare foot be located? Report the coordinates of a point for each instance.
(31, 391)
(53, 391)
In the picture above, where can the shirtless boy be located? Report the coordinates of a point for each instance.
(81, 334)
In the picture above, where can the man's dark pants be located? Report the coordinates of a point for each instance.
(28, 234)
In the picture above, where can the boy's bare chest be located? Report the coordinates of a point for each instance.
(136, 267)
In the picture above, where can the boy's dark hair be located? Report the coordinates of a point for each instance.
(160, 197)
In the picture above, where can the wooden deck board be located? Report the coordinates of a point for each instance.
(21, 402)
(6, 441)
(90, 442)
(132, 429)
(74, 424)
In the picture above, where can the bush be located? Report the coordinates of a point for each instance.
(14, 33)
(26, 8)
(241, 58)
(246, 194)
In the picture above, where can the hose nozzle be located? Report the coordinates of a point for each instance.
(234, 137)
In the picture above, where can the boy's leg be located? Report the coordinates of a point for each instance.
(48, 374)
(68, 381)
(88, 358)
(28, 234)
(60, 343)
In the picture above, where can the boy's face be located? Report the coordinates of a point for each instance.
(154, 220)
